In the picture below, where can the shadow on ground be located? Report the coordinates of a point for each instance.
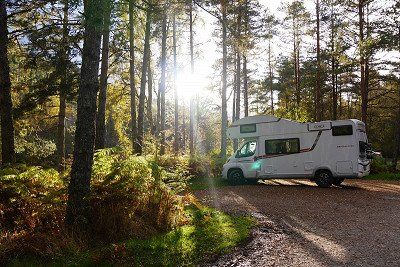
(354, 224)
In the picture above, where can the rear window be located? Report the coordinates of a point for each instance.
(342, 130)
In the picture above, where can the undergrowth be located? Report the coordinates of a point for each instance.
(137, 211)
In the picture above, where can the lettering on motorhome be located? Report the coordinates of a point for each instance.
(345, 146)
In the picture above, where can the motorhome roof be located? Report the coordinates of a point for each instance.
(269, 118)
(256, 119)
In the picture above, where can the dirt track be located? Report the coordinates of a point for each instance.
(357, 224)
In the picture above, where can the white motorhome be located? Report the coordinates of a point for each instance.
(327, 152)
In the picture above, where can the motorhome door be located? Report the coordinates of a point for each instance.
(245, 159)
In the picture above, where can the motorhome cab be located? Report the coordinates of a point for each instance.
(326, 152)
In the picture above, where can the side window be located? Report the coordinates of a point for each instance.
(247, 150)
(342, 130)
(282, 146)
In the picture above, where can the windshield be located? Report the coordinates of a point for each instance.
(247, 150)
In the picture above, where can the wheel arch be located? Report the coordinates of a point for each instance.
(233, 169)
(322, 169)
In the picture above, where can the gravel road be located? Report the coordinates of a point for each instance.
(357, 224)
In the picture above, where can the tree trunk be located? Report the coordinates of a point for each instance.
(132, 73)
(79, 187)
(158, 117)
(7, 124)
(245, 87)
(295, 62)
(192, 148)
(363, 88)
(235, 141)
(163, 80)
(63, 90)
(150, 98)
(333, 75)
(143, 80)
(298, 90)
(176, 111)
(270, 77)
(318, 106)
(397, 125)
(183, 145)
(238, 72)
(224, 115)
(396, 150)
(101, 112)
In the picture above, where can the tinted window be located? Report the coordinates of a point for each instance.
(248, 128)
(282, 146)
(247, 150)
(342, 130)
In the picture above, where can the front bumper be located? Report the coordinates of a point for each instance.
(225, 171)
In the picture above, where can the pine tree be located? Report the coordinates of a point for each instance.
(81, 171)
(6, 109)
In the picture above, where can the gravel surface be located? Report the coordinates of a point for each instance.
(357, 224)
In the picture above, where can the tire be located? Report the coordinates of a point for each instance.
(323, 178)
(235, 177)
(338, 181)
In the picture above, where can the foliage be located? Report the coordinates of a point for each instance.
(381, 165)
(34, 150)
(128, 202)
(129, 198)
(384, 176)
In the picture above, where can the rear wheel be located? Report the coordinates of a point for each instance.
(323, 178)
(235, 176)
(338, 181)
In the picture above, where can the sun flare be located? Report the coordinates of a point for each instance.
(189, 84)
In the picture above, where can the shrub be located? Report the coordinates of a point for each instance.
(129, 198)
(217, 163)
(31, 212)
(200, 166)
(129, 201)
(174, 170)
(380, 165)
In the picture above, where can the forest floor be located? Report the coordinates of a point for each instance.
(299, 224)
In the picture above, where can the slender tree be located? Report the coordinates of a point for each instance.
(149, 111)
(245, 87)
(64, 57)
(132, 73)
(270, 24)
(176, 110)
(224, 115)
(81, 171)
(163, 80)
(7, 124)
(192, 98)
(142, 96)
(362, 61)
(101, 113)
(318, 106)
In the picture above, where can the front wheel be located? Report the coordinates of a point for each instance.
(235, 176)
(323, 178)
